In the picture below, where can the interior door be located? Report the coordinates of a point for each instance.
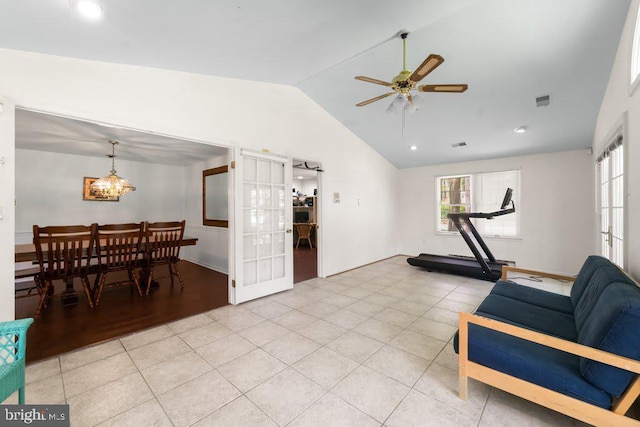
(612, 209)
(263, 247)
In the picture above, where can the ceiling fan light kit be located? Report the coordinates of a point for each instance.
(406, 81)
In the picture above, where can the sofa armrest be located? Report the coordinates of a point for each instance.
(507, 268)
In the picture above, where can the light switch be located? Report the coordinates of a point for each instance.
(336, 197)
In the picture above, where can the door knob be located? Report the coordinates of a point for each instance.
(288, 230)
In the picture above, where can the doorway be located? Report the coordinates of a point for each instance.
(306, 219)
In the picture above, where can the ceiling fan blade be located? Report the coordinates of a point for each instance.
(370, 80)
(377, 98)
(426, 67)
(443, 88)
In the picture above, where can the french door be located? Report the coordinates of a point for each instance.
(263, 244)
(612, 206)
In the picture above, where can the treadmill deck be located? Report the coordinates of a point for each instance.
(457, 265)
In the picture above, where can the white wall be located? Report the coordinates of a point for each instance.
(230, 112)
(212, 250)
(49, 191)
(7, 219)
(557, 212)
(617, 102)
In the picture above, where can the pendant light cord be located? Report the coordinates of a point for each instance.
(113, 157)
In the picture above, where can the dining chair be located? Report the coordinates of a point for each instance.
(162, 247)
(26, 284)
(64, 253)
(13, 345)
(304, 232)
(119, 249)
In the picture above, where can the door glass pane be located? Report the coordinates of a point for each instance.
(264, 196)
(250, 170)
(265, 269)
(249, 196)
(250, 272)
(264, 220)
(278, 267)
(250, 222)
(264, 171)
(279, 197)
(250, 247)
(278, 220)
(265, 245)
(278, 173)
(278, 243)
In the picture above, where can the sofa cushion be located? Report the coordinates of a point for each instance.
(531, 362)
(539, 297)
(612, 326)
(530, 316)
(589, 267)
(604, 276)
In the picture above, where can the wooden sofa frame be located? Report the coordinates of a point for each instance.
(559, 402)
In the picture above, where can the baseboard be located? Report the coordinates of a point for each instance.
(205, 265)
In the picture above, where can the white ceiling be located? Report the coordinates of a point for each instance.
(45, 132)
(508, 51)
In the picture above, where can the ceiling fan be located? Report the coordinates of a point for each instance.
(406, 81)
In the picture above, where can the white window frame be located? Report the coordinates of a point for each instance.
(634, 55)
(474, 204)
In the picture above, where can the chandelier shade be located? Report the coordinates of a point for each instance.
(112, 185)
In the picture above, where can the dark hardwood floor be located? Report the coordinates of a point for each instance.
(122, 311)
(305, 263)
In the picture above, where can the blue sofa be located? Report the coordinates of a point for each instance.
(577, 354)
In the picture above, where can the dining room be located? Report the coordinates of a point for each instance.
(57, 160)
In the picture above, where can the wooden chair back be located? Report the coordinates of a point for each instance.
(304, 232)
(119, 246)
(68, 250)
(163, 240)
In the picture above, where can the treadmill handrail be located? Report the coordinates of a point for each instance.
(489, 215)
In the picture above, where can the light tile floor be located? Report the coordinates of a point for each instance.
(368, 347)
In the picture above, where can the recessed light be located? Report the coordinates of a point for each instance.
(413, 147)
(521, 129)
(300, 177)
(90, 9)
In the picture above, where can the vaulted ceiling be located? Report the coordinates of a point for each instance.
(508, 51)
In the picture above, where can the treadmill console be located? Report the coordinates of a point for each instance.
(507, 199)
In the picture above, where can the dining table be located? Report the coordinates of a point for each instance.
(27, 252)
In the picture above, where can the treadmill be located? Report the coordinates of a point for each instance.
(482, 267)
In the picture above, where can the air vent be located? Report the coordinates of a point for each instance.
(459, 144)
(543, 101)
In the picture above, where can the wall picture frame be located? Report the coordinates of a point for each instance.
(88, 194)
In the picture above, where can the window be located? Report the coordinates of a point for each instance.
(455, 197)
(635, 54)
(480, 192)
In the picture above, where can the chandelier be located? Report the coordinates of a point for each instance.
(112, 185)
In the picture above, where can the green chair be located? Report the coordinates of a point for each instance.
(13, 344)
